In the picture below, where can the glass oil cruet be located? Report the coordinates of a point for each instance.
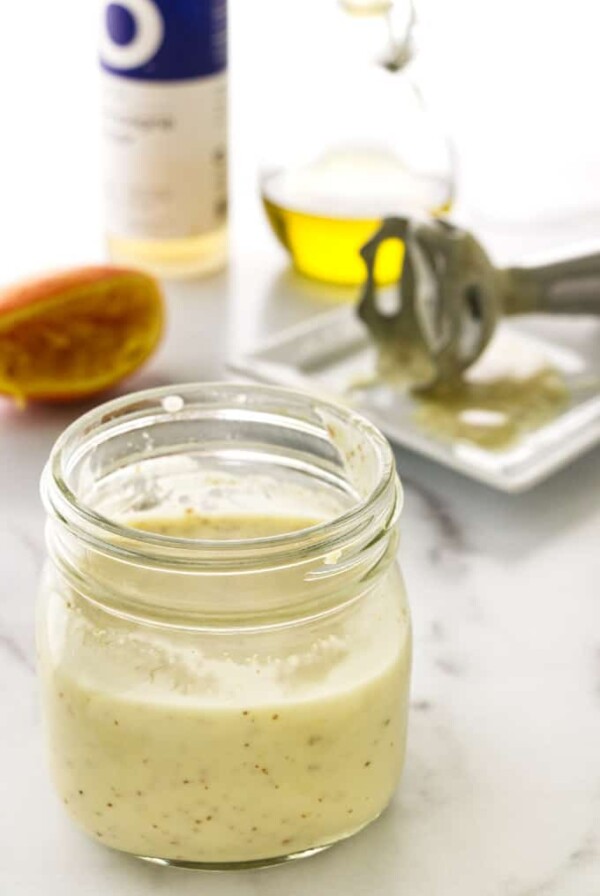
(350, 140)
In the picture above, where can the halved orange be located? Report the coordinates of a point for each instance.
(72, 334)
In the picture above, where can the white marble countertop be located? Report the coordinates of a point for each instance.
(501, 790)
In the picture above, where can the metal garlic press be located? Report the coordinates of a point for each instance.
(443, 312)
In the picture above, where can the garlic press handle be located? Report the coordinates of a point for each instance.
(568, 286)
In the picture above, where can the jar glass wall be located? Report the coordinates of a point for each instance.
(223, 634)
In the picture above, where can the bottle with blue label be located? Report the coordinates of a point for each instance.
(164, 71)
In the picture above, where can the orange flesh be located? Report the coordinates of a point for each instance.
(79, 342)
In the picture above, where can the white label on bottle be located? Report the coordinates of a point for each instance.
(165, 154)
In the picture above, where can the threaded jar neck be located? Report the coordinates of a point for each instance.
(221, 449)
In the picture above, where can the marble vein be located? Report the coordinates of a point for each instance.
(12, 649)
(564, 881)
(450, 546)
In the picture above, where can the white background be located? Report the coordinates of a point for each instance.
(517, 82)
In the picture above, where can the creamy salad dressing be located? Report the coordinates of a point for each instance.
(513, 390)
(494, 414)
(216, 754)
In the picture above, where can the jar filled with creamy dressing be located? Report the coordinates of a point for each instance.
(223, 633)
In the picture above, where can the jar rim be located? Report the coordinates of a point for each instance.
(61, 501)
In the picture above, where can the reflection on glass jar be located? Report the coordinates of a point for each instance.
(223, 634)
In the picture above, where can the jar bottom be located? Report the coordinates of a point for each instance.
(237, 866)
(255, 864)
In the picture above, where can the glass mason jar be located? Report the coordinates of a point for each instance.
(223, 634)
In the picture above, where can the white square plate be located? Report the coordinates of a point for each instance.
(328, 354)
